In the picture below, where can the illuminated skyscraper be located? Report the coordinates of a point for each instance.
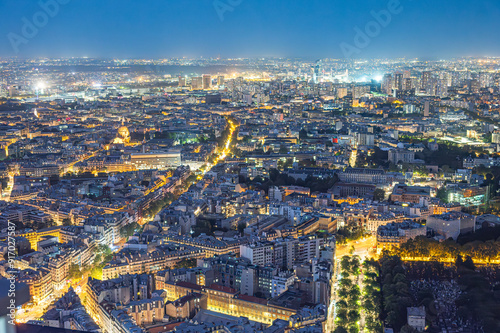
(347, 103)
(387, 84)
(196, 82)
(360, 91)
(398, 81)
(317, 74)
(473, 86)
(485, 80)
(207, 81)
(426, 80)
(182, 81)
(220, 80)
(341, 92)
(407, 84)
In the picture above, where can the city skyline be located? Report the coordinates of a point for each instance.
(249, 166)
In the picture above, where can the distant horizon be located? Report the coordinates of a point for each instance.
(304, 58)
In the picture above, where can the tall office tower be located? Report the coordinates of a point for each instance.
(456, 78)
(196, 82)
(433, 86)
(409, 108)
(407, 84)
(13, 91)
(220, 80)
(387, 84)
(341, 92)
(182, 81)
(347, 103)
(426, 80)
(448, 79)
(495, 137)
(406, 74)
(485, 80)
(427, 106)
(398, 81)
(360, 91)
(207, 81)
(473, 86)
(442, 88)
(317, 72)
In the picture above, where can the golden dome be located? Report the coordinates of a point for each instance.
(123, 135)
(123, 132)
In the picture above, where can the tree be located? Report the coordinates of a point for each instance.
(349, 293)
(104, 251)
(408, 329)
(340, 329)
(191, 179)
(459, 261)
(468, 263)
(96, 272)
(442, 194)
(5, 182)
(371, 300)
(97, 258)
(395, 289)
(379, 195)
(186, 263)
(241, 227)
(86, 269)
(66, 221)
(129, 229)
(74, 272)
(487, 137)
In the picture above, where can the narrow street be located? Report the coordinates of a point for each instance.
(364, 248)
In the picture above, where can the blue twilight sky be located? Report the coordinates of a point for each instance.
(302, 28)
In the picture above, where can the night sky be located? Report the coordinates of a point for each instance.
(193, 28)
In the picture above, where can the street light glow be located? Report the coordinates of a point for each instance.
(41, 85)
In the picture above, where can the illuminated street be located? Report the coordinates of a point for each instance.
(364, 248)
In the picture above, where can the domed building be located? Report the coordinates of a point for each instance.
(123, 135)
